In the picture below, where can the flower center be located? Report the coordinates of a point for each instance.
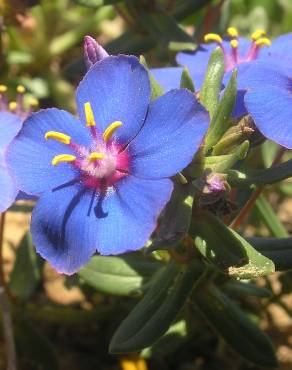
(103, 163)
(232, 57)
(16, 107)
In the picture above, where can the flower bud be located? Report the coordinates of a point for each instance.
(93, 52)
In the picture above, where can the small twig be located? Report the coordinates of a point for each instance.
(5, 308)
(249, 204)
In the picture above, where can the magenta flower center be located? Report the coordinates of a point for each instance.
(232, 57)
(102, 164)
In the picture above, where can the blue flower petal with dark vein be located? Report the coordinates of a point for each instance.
(104, 181)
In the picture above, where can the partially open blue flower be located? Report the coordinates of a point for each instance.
(238, 52)
(12, 115)
(104, 180)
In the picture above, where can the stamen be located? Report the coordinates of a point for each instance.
(263, 41)
(20, 89)
(12, 106)
(67, 158)
(111, 129)
(58, 136)
(3, 89)
(95, 156)
(34, 103)
(257, 34)
(213, 37)
(234, 44)
(232, 32)
(234, 51)
(89, 115)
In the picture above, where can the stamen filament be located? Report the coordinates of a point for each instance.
(67, 158)
(58, 136)
(234, 47)
(209, 37)
(263, 41)
(89, 115)
(111, 129)
(232, 32)
(257, 34)
(95, 156)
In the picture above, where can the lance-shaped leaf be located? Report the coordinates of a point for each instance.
(26, 273)
(239, 289)
(176, 218)
(212, 84)
(269, 217)
(120, 275)
(226, 249)
(220, 121)
(95, 3)
(153, 315)
(278, 250)
(232, 324)
(181, 46)
(260, 177)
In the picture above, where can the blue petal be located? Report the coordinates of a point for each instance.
(70, 224)
(118, 89)
(8, 190)
(281, 46)
(63, 230)
(129, 216)
(168, 78)
(174, 129)
(271, 109)
(30, 155)
(10, 124)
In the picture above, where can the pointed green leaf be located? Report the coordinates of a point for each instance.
(175, 221)
(239, 289)
(181, 46)
(268, 216)
(278, 250)
(211, 87)
(120, 275)
(220, 121)
(232, 324)
(26, 273)
(226, 249)
(186, 80)
(153, 315)
(260, 177)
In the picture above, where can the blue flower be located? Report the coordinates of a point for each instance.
(238, 52)
(112, 179)
(269, 101)
(12, 116)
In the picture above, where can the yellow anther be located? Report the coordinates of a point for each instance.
(232, 32)
(89, 115)
(34, 103)
(20, 89)
(12, 106)
(62, 138)
(212, 37)
(234, 44)
(67, 158)
(257, 34)
(111, 129)
(263, 41)
(95, 156)
(3, 88)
